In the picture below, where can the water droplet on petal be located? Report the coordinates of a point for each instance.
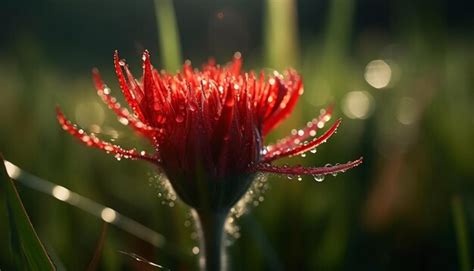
(313, 150)
(192, 107)
(318, 178)
(124, 121)
(179, 118)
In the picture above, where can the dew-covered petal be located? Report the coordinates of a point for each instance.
(122, 113)
(301, 170)
(131, 95)
(287, 105)
(302, 148)
(301, 134)
(93, 141)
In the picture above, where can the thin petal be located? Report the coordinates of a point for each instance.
(130, 96)
(299, 149)
(122, 113)
(300, 170)
(301, 134)
(93, 141)
(286, 107)
(149, 87)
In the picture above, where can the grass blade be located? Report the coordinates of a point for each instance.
(168, 35)
(460, 225)
(27, 249)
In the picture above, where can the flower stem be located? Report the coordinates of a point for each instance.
(211, 232)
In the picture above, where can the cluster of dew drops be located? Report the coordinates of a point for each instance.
(312, 132)
(253, 198)
(164, 189)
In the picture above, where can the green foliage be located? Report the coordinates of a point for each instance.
(27, 250)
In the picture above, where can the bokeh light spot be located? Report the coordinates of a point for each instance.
(358, 104)
(407, 111)
(108, 215)
(12, 170)
(88, 113)
(61, 193)
(378, 74)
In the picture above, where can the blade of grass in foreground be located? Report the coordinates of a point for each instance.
(27, 249)
(460, 226)
(105, 213)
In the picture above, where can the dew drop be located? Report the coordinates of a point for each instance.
(318, 178)
(289, 177)
(124, 121)
(122, 62)
(303, 155)
(299, 178)
(192, 107)
(179, 118)
(313, 150)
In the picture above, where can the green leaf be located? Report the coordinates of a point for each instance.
(28, 251)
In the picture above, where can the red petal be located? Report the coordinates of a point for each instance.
(92, 141)
(118, 110)
(300, 170)
(292, 140)
(130, 97)
(284, 108)
(149, 87)
(304, 147)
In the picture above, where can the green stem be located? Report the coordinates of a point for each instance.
(211, 230)
(460, 226)
(281, 33)
(168, 34)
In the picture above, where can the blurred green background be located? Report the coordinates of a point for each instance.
(400, 73)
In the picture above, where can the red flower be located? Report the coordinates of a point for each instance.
(208, 126)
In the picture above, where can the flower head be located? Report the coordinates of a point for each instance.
(208, 126)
